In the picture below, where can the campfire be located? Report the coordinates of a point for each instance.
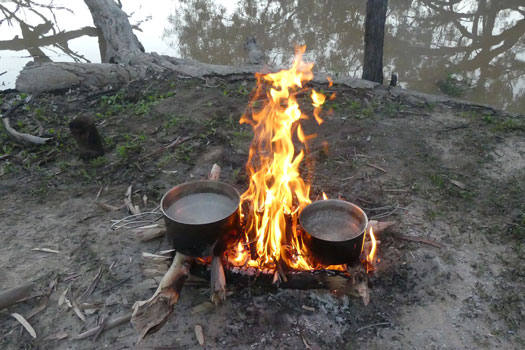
(274, 228)
(277, 193)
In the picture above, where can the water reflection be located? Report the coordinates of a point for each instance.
(426, 40)
(480, 40)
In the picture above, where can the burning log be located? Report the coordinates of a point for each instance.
(353, 282)
(150, 315)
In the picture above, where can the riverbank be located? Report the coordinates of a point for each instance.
(446, 171)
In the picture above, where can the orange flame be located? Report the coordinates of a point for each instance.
(370, 258)
(325, 197)
(277, 192)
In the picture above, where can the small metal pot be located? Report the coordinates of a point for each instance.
(334, 231)
(198, 214)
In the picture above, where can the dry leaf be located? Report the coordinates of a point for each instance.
(57, 336)
(154, 256)
(46, 250)
(62, 298)
(308, 308)
(24, 323)
(199, 334)
(201, 307)
(106, 207)
(458, 184)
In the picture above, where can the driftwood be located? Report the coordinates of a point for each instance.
(150, 315)
(14, 295)
(123, 60)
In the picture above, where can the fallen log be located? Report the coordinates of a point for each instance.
(14, 295)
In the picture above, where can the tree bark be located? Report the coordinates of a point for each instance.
(374, 39)
(121, 44)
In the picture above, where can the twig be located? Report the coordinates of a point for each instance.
(376, 167)
(280, 270)
(117, 284)
(109, 325)
(463, 126)
(161, 150)
(373, 325)
(384, 215)
(92, 285)
(101, 328)
(420, 240)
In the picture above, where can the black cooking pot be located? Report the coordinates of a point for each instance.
(198, 214)
(334, 231)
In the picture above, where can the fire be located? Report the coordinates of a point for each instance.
(276, 192)
(370, 258)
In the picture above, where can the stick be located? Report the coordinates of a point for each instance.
(280, 270)
(109, 325)
(218, 281)
(373, 325)
(23, 137)
(14, 295)
(379, 226)
(149, 234)
(150, 315)
(376, 167)
(420, 240)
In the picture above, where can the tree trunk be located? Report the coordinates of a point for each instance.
(121, 44)
(374, 39)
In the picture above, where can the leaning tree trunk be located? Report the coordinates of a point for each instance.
(374, 39)
(121, 44)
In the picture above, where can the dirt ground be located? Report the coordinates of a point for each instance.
(452, 173)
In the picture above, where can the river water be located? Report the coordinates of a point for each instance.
(480, 43)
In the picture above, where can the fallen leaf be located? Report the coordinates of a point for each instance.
(62, 298)
(154, 256)
(46, 250)
(199, 334)
(201, 307)
(24, 323)
(106, 207)
(458, 184)
(57, 336)
(308, 308)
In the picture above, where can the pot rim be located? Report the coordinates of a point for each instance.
(193, 182)
(339, 202)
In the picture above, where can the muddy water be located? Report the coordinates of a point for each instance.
(201, 208)
(480, 43)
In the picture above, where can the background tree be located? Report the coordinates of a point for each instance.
(374, 39)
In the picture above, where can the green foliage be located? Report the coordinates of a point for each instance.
(453, 86)
(99, 161)
(131, 144)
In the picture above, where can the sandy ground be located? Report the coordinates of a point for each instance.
(454, 173)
